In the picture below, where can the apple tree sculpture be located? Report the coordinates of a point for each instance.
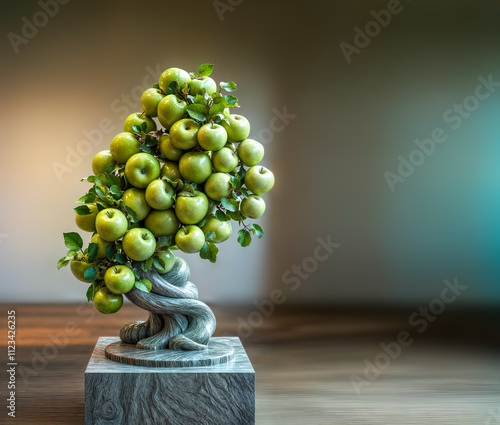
(176, 185)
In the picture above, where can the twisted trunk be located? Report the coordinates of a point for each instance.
(177, 320)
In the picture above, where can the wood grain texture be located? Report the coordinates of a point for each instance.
(216, 353)
(303, 359)
(121, 394)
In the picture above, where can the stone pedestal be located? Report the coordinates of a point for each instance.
(220, 394)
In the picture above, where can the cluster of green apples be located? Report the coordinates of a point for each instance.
(172, 184)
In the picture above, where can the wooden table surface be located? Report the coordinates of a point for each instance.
(305, 361)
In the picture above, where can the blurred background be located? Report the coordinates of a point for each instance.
(380, 123)
(337, 111)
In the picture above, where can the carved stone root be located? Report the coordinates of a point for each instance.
(177, 320)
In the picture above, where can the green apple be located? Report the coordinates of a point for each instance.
(139, 244)
(168, 150)
(259, 179)
(253, 207)
(212, 137)
(87, 222)
(138, 118)
(119, 279)
(230, 146)
(106, 302)
(217, 186)
(136, 199)
(162, 223)
(224, 160)
(202, 85)
(150, 100)
(123, 146)
(160, 195)
(170, 110)
(78, 268)
(191, 209)
(190, 239)
(173, 74)
(222, 229)
(111, 224)
(102, 246)
(141, 169)
(101, 161)
(195, 166)
(171, 170)
(168, 259)
(238, 128)
(184, 133)
(250, 152)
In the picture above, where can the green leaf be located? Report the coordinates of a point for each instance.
(73, 241)
(115, 192)
(101, 191)
(90, 293)
(101, 179)
(120, 258)
(244, 192)
(136, 128)
(146, 265)
(113, 180)
(136, 273)
(205, 70)
(209, 236)
(256, 230)
(145, 148)
(233, 215)
(197, 112)
(111, 251)
(159, 262)
(110, 168)
(236, 182)
(209, 252)
(150, 141)
(173, 87)
(164, 241)
(82, 210)
(229, 204)
(90, 274)
(203, 222)
(90, 179)
(92, 252)
(88, 198)
(200, 99)
(156, 86)
(231, 100)
(143, 285)
(131, 213)
(144, 126)
(63, 262)
(216, 110)
(244, 237)
(230, 87)
(219, 215)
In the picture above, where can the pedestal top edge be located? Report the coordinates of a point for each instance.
(98, 362)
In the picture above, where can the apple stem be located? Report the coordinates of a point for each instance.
(185, 231)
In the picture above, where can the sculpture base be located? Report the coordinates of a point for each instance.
(117, 393)
(217, 353)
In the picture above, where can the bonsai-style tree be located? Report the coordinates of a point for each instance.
(174, 183)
